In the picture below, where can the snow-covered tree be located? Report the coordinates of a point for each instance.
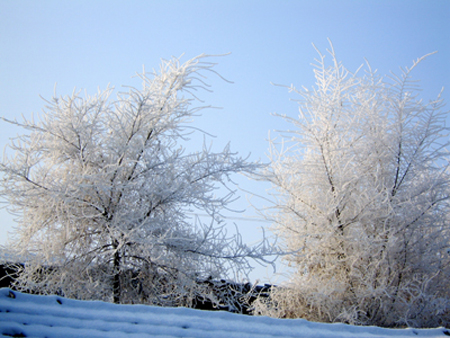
(361, 185)
(105, 195)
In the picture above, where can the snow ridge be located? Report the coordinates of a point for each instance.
(24, 315)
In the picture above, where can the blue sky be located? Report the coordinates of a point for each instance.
(90, 44)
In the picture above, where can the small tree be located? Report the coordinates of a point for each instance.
(105, 191)
(362, 189)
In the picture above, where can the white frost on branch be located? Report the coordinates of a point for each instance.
(361, 185)
(103, 190)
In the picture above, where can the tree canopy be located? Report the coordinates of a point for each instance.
(105, 193)
(361, 184)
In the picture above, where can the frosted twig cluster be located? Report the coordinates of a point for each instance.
(361, 185)
(104, 192)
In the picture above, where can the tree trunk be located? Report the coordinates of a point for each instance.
(116, 275)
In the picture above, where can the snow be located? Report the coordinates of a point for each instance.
(24, 315)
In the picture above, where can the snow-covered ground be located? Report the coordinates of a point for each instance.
(23, 315)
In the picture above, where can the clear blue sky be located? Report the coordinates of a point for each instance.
(90, 44)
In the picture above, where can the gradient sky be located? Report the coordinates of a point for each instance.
(90, 44)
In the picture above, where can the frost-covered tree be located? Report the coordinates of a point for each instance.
(105, 192)
(361, 185)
